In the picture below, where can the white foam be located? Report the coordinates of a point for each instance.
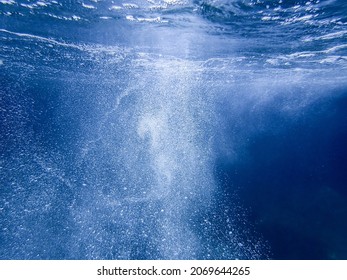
(32, 6)
(88, 6)
(143, 19)
(115, 8)
(52, 41)
(7, 2)
(130, 6)
(330, 36)
(156, 19)
(334, 35)
(130, 17)
(333, 59)
(42, 4)
(173, 2)
(272, 61)
(336, 48)
(266, 18)
(74, 17)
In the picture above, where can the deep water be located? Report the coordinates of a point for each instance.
(173, 129)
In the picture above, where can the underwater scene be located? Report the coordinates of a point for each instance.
(173, 129)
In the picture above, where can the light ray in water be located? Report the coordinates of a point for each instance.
(157, 138)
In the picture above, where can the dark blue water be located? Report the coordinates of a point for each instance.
(173, 129)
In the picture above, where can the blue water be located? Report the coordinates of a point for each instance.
(173, 129)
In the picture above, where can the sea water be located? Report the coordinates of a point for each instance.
(173, 129)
